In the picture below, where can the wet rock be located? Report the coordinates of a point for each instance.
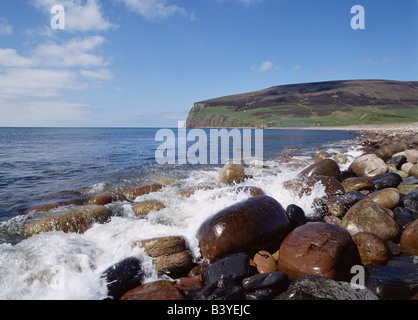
(413, 171)
(133, 193)
(264, 262)
(368, 166)
(405, 189)
(146, 207)
(402, 217)
(409, 239)
(332, 220)
(391, 283)
(367, 216)
(398, 161)
(372, 249)
(73, 219)
(387, 198)
(325, 167)
(409, 181)
(175, 265)
(411, 155)
(232, 173)
(386, 180)
(389, 150)
(275, 280)
(296, 216)
(169, 254)
(313, 287)
(49, 207)
(317, 249)
(100, 199)
(261, 294)
(410, 201)
(338, 205)
(188, 283)
(234, 268)
(357, 184)
(406, 167)
(304, 186)
(157, 290)
(251, 225)
(220, 291)
(123, 276)
(162, 246)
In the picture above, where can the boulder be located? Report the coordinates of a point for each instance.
(338, 205)
(264, 262)
(313, 287)
(368, 166)
(170, 255)
(274, 280)
(232, 173)
(387, 198)
(340, 159)
(411, 155)
(414, 170)
(372, 249)
(232, 268)
(386, 180)
(367, 216)
(304, 186)
(317, 249)
(325, 167)
(409, 239)
(406, 167)
(72, 219)
(133, 193)
(388, 150)
(249, 226)
(398, 161)
(187, 193)
(296, 216)
(147, 206)
(50, 206)
(160, 290)
(357, 184)
(100, 199)
(123, 276)
(410, 201)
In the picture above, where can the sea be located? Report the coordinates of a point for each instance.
(37, 162)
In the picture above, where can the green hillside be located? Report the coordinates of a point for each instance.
(334, 103)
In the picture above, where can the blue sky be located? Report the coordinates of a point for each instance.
(143, 63)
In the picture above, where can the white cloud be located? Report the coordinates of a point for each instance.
(249, 2)
(80, 15)
(155, 9)
(74, 53)
(265, 66)
(10, 58)
(297, 67)
(24, 82)
(102, 74)
(5, 28)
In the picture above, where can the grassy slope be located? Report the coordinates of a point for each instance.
(333, 103)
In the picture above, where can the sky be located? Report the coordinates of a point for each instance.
(144, 63)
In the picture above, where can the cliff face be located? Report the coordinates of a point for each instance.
(322, 103)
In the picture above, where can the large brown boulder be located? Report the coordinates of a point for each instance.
(249, 226)
(409, 239)
(367, 216)
(387, 198)
(325, 167)
(372, 249)
(368, 166)
(317, 249)
(357, 184)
